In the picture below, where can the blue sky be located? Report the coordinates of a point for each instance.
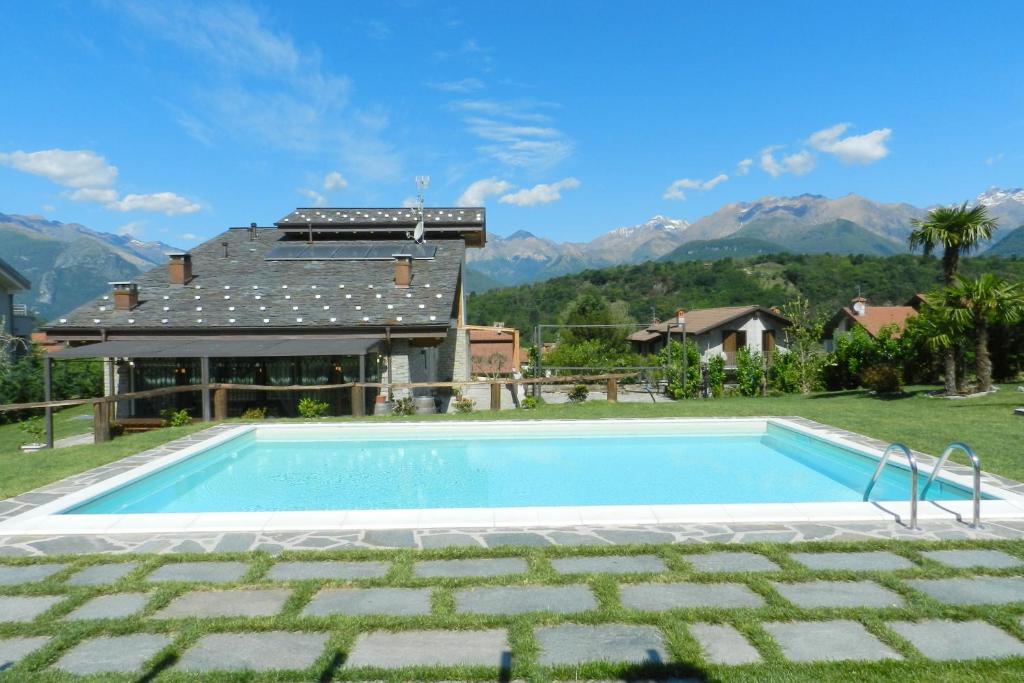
(172, 121)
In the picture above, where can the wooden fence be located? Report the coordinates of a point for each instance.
(215, 396)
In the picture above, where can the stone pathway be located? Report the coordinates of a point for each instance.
(644, 612)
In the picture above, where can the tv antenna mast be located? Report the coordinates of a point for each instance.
(422, 183)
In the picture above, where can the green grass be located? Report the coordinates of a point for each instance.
(926, 424)
(684, 651)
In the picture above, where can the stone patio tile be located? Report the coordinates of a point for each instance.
(723, 644)
(385, 650)
(855, 562)
(950, 640)
(497, 566)
(981, 590)
(252, 602)
(112, 654)
(502, 539)
(401, 602)
(210, 572)
(13, 575)
(619, 564)
(390, 538)
(22, 608)
(811, 594)
(520, 599)
(635, 536)
(577, 644)
(99, 574)
(828, 641)
(731, 562)
(449, 541)
(658, 597)
(113, 606)
(967, 559)
(304, 571)
(267, 651)
(13, 650)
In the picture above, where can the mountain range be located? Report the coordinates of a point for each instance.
(69, 264)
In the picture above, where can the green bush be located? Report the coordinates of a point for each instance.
(578, 394)
(403, 407)
(591, 353)
(256, 413)
(311, 408)
(716, 376)
(883, 379)
(33, 429)
(749, 372)
(531, 402)
(857, 351)
(175, 418)
(671, 358)
(784, 373)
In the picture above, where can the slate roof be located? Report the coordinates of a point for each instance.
(702, 320)
(247, 291)
(14, 280)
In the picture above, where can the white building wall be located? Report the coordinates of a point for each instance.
(710, 343)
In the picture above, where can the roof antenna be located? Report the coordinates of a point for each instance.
(422, 182)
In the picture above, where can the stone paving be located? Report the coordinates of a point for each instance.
(684, 596)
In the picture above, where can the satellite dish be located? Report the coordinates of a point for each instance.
(417, 234)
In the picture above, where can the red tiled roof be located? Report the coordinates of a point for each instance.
(875, 318)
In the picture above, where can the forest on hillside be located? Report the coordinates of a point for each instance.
(660, 288)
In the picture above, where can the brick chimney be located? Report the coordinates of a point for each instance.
(403, 270)
(859, 305)
(126, 295)
(680, 314)
(180, 268)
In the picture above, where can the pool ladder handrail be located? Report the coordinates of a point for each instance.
(913, 478)
(975, 465)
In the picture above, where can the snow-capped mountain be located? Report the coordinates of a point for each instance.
(1005, 205)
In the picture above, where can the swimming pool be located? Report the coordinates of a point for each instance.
(509, 473)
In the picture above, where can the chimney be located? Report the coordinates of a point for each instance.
(252, 232)
(859, 305)
(776, 310)
(225, 245)
(403, 270)
(126, 295)
(180, 268)
(680, 314)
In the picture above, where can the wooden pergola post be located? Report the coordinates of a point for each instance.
(100, 422)
(358, 400)
(47, 396)
(495, 396)
(220, 404)
(204, 366)
(613, 390)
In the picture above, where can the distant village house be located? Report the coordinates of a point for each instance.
(872, 319)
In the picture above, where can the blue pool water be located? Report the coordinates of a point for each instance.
(251, 473)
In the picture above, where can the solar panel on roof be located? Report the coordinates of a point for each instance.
(348, 252)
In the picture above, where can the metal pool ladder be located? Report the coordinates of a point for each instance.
(913, 478)
(975, 465)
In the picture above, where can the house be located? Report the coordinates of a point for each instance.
(14, 318)
(493, 350)
(869, 318)
(717, 331)
(323, 296)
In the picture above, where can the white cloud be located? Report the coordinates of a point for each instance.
(675, 190)
(167, 203)
(540, 194)
(798, 163)
(515, 133)
(476, 194)
(132, 229)
(994, 159)
(94, 194)
(70, 168)
(410, 203)
(334, 181)
(743, 168)
(852, 149)
(768, 163)
(189, 236)
(315, 198)
(464, 85)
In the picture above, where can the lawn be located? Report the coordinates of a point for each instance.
(926, 424)
(685, 658)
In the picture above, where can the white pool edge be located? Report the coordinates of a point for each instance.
(46, 519)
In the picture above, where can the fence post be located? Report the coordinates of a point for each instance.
(220, 404)
(204, 367)
(495, 396)
(48, 396)
(100, 422)
(358, 400)
(613, 390)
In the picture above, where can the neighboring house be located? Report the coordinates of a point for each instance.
(870, 318)
(718, 331)
(14, 318)
(493, 350)
(325, 296)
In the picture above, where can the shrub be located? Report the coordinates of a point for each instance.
(175, 418)
(671, 358)
(33, 428)
(716, 376)
(311, 408)
(749, 372)
(255, 413)
(784, 373)
(403, 406)
(531, 402)
(578, 394)
(463, 404)
(883, 378)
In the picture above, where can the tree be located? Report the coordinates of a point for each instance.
(803, 344)
(980, 303)
(958, 230)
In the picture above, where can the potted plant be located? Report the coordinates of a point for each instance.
(382, 406)
(33, 428)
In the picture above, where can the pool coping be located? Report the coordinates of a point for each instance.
(31, 514)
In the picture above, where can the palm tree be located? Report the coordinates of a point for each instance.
(988, 300)
(958, 230)
(937, 330)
